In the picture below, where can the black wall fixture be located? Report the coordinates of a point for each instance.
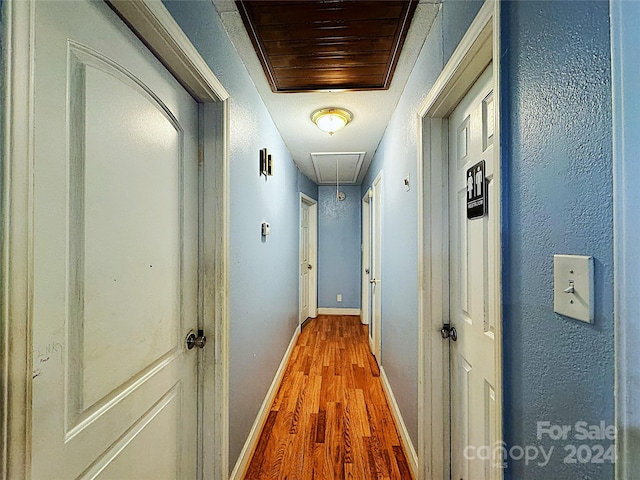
(266, 163)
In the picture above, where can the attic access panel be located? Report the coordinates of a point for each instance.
(327, 45)
(346, 165)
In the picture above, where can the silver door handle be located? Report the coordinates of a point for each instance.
(373, 280)
(309, 266)
(449, 331)
(196, 341)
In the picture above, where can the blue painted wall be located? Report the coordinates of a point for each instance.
(263, 279)
(557, 159)
(456, 18)
(396, 157)
(625, 38)
(307, 186)
(339, 254)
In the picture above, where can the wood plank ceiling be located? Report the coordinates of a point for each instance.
(327, 44)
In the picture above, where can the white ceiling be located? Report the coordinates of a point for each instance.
(358, 141)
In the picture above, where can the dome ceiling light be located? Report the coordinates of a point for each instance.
(331, 119)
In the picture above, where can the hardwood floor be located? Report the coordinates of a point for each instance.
(330, 418)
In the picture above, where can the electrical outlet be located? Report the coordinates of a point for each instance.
(339, 297)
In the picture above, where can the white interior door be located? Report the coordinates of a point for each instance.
(366, 259)
(305, 260)
(375, 328)
(474, 400)
(115, 206)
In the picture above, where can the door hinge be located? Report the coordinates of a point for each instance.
(449, 331)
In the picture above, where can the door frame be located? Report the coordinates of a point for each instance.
(313, 258)
(473, 54)
(365, 315)
(626, 253)
(375, 341)
(155, 26)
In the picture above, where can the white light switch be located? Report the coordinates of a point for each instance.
(573, 286)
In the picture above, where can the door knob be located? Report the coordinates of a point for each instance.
(373, 280)
(196, 341)
(309, 266)
(449, 331)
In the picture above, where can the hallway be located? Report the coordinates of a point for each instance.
(330, 418)
(156, 266)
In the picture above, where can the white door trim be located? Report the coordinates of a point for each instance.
(313, 256)
(157, 28)
(626, 253)
(366, 259)
(153, 23)
(471, 57)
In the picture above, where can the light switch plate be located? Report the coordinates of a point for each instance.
(573, 286)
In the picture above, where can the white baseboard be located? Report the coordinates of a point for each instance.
(412, 456)
(338, 311)
(263, 413)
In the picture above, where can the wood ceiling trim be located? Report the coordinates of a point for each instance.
(345, 72)
(329, 60)
(324, 32)
(360, 45)
(272, 13)
(327, 44)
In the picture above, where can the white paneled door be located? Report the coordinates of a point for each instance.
(375, 327)
(305, 260)
(472, 285)
(366, 259)
(115, 232)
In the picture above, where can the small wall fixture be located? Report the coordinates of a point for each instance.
(331, 119)
(266, 163)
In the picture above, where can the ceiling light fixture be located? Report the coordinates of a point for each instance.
(331, 119)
